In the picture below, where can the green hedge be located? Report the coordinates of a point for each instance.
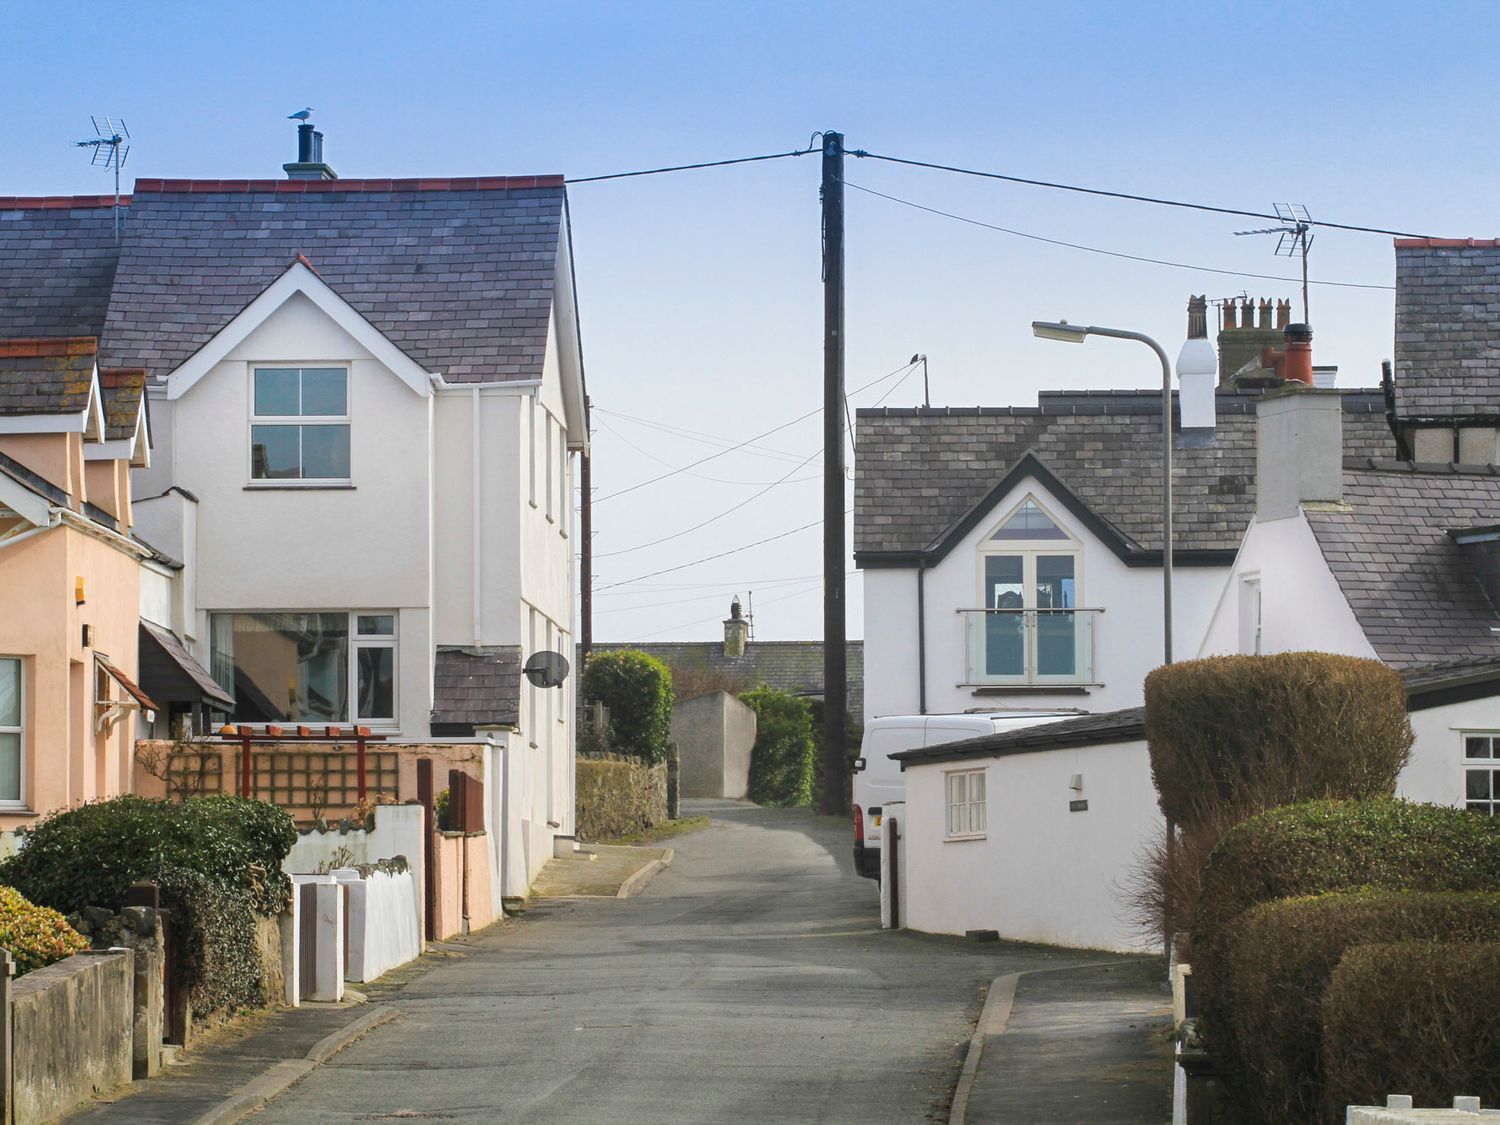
(1279, 958)
(35, 935)
(214, 930)
(1248, 733)
(1436, 1035)
(637, 689)
(783, 760)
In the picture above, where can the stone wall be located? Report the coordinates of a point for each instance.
(73, 1032)
(617, 796)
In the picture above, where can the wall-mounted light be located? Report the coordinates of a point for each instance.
(78, 598)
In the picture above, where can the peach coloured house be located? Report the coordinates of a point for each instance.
(69, 575)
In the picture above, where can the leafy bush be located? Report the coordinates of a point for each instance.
(782, 762)
(1279, 958)
(35, 935)
(213, 928)
(854, 734)
(1254, 732)
(1436, 1035)
(637, 689)
(89, 855)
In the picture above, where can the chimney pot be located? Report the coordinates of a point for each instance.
(1297, 357)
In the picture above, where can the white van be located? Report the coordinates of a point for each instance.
(879, 781)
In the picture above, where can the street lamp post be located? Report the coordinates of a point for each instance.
(1076, 334)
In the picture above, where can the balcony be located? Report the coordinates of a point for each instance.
(1029, 647)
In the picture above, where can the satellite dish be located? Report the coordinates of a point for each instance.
(546, 669)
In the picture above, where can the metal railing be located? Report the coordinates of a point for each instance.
(1029, 646)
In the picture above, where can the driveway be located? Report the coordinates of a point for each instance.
(749, 982)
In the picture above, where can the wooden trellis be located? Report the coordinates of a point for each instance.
(291, 770)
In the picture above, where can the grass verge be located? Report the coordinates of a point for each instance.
(661, 831)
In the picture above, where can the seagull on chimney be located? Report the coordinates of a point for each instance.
(300, 115)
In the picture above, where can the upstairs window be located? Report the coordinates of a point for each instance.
(299, 424)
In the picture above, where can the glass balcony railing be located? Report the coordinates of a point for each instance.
(1029, 646)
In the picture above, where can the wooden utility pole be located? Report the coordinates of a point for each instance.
(835, 692)
(586, 550)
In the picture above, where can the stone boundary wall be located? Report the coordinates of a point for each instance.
(73, 1032)
(619, 795)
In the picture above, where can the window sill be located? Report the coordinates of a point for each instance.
(965, 838)
(311, 486)
(1030, 689)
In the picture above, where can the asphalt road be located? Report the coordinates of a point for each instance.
(750, 982)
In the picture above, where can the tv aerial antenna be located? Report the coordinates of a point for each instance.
(110, 150)
(1294, 238)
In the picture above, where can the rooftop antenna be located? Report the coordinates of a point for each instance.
(926, 394)
(1295, 238)
(110, 151)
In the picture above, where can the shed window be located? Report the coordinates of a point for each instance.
(1482, 773)
(966, 803)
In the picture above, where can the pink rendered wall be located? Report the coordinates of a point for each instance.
(449, 850)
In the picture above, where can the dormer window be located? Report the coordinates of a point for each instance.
(299, 424)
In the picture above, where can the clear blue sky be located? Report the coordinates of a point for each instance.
(700, 295)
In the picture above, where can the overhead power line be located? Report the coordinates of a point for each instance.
(1107, 253)
(689, 167)
(1119, 194)
(644, 452)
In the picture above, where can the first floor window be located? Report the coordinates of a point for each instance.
(965, 802)
(1482, 773)
(12, 733)
(307, 667)
(299, 423)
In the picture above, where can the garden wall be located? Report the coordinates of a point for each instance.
(384, 920)
(617, 796)
(72, 1032)
(454, 853)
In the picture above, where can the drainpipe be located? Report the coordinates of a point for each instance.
(921, 636)
(54, 519)
(478, 526)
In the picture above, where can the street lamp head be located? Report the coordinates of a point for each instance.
(1060, 330)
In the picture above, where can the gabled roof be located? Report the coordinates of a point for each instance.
(57, 260)
(47, 376)
(170, 670)
(457, 274)
(1447, 359)
(1412, 589)
(124, 394)
(475, 687)
(924, 477)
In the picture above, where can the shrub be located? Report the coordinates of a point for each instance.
(35, 935)
(89, 855)
(1279, 958)
(1253, 732)
(854, 735)
(637, 689)
(213, 928)
(1436, 1035)
(782, 761)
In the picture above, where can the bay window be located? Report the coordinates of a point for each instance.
(307, 667)
(299, 424)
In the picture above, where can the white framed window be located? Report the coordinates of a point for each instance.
(1482, 772)
(12, 733)
(299, 424)
(533, 718)
(551, 475)
(965, 803)
(564, 496)
(298, 667)
(531, 448)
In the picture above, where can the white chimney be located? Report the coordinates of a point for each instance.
(1299, 450)
(1197, 371)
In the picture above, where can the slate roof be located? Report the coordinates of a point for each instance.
(32, 481)
(791, 666)
(57, 260)
(475, 687)
(1447, 326)
(46, 376)
(919, 472)
(458, 274)
(1102, 729)
(123, 392)
(161, 648)
(1412, 589)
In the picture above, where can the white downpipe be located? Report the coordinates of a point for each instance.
(54, 519)
(478, 526)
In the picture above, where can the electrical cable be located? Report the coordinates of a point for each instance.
(689, 167)
(719, 587)
(704, 620)
(706, 439)
(698, 476)
(1108, 253)
(711, 558)
(753, 583)
(1123, 194)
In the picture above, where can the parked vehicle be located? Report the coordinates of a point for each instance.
(879, 781)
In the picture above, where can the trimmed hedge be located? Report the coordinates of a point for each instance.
(784, 758)
(89, 855)
(214, 928)
(1279, 958)
(637, 689)
(35, 935)
(1436, 1035)
(1246, 733)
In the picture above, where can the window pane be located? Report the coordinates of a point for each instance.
(273, 452)
(286, 666)
(377, 625)
(325, 452)
(10, 767)
(325, 390)
(1003, 587)
(377, 683)
(276, 391)
(1054, 582)
(1476, 747)
(1477, 787)
(10, 693)
(1029, 522)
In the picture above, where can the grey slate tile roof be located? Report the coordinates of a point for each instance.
(918, 472)
(1412, 590)
(459, 279)
(791, 666)
(1447, 326)
(56, 265)
(32, 481)
(1101, 729)
(167, 647)
(46, 376)
(124, 393)
(475, 687)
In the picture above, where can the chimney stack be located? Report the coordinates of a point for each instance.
(736, 631)
(1242, 338)
(1299, 454)
(309, 163)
